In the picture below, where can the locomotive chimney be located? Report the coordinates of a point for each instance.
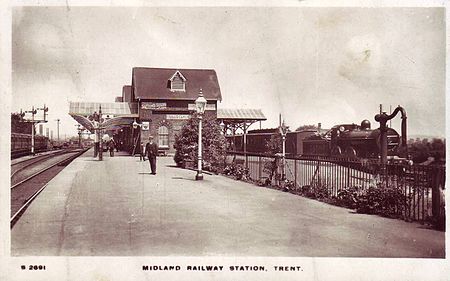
(319, 127)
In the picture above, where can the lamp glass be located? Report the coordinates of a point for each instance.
(200, 104)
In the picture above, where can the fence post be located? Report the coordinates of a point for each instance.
(436, 197)
(348, 175)
(295, 173)
(259, 168)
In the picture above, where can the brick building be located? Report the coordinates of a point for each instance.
(166, 99)
(158, 102)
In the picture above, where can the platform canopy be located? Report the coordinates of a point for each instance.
(115, 114)
(239, 118)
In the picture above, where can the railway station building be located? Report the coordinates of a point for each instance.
(158, 102)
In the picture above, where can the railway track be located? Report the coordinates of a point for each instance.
(28, 180)
(23, 164)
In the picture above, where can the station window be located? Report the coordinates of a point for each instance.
(163, 136)
(177, 82)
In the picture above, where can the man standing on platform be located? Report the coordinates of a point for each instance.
(152, 151)
(111, 145)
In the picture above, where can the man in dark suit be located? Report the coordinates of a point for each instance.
(151, 150)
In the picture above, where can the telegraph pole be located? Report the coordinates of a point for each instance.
(33, 112)
(57, 128)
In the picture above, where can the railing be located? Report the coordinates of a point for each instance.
(420, 186)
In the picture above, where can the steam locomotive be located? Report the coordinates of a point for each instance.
(352, 140)
(346, 140)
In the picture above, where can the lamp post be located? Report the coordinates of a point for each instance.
(222, 127)
(283, 131)
(80, 132)
(96, 119)
(136, 126)
(200, 104)
(100, 121)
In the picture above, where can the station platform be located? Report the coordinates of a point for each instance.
(115, 207)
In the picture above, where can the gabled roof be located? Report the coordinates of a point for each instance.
(153, 83)
(126, 94)
(177, 73)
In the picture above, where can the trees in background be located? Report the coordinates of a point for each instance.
(421, 149)
(18, 125)
(306, 127)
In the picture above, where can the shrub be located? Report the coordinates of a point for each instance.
(315, 191)
(288, 186)
(239, 171)
(213, 143)
(385, 201)
(347, 197)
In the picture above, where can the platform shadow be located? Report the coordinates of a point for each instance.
(189, 169)
(146, 173)
(183, 178)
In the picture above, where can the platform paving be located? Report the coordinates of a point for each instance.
(117, 208)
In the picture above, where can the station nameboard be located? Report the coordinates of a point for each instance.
(153, 105)
(209, 106)
(178, 116)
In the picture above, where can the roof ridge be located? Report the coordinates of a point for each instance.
(174, 69)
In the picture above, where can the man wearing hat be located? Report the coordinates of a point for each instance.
(152, 151)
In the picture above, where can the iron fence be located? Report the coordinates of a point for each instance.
(420, 187)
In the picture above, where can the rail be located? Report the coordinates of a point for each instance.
(42, 170)
(28, 162)
(28, 201)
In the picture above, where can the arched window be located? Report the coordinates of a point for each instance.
(163, 136)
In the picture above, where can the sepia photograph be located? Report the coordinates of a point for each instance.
(209, 141)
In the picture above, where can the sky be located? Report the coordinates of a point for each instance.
(328, 65)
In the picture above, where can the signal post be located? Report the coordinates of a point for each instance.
(33, 121)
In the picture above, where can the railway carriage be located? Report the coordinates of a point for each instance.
(21, 144)
(257, 140)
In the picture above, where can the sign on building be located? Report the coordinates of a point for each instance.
(145, 126)
(191, 106)
(153, 105)
(178, 116)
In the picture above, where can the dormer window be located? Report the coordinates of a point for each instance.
(177, 82)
